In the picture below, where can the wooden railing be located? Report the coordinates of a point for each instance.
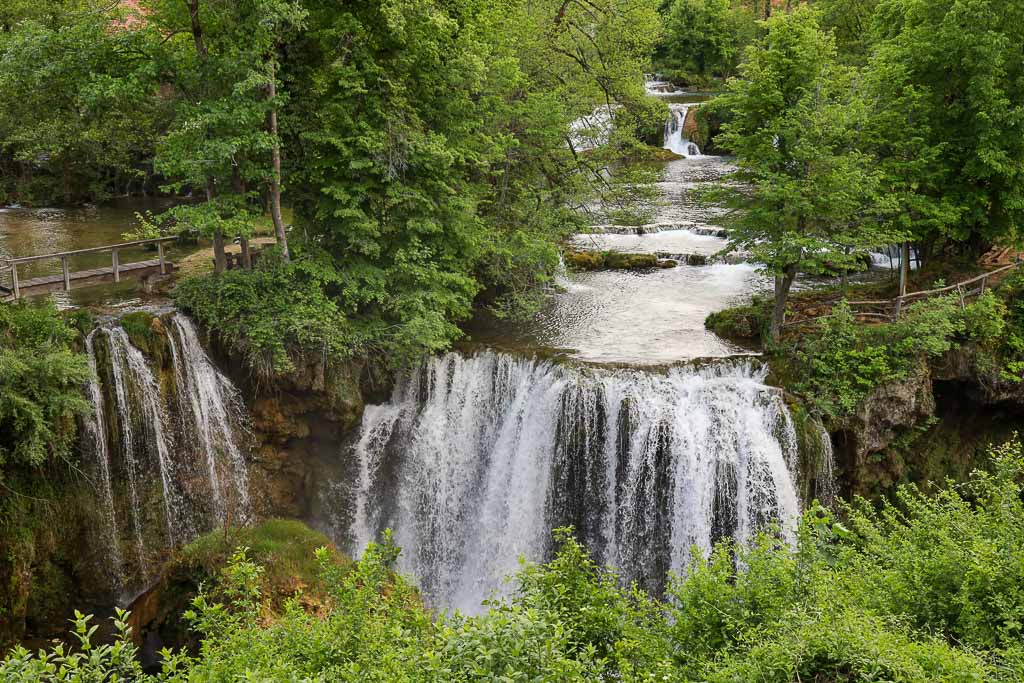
(12, 264)
(889, 310)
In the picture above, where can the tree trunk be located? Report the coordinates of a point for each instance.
(275, 176)
(219, 257)
(904, 274)
(246, 254)
(783, 283)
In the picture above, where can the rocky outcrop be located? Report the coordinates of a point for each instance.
(285, 549)
(972, 367)
(937, 424)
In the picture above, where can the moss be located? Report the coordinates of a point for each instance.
(613, 260)
(743, 323)
(284, 548)
(652, 153)
(81, 319)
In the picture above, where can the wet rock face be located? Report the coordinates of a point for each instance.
(891, 410)
(297, 422)
(967, 366)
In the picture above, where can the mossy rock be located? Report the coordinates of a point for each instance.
(742, 323)
(613, 260)
(285, 549)
(621, 261)
(585, 260)
(652, 153)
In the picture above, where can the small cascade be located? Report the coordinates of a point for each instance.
(676, 139)
(97, 430)
(475, 459)
(144, 404)
(212, 408)
(593, 131)
(164, 444)
(126, 430)
(826, 489)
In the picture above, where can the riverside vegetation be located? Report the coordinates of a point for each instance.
(428, 153)
(927, 588)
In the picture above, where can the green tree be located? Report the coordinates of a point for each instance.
(705, 38)
(960, 62)
(42, 384)
(84, 119)
(809, 198)
(220, 60)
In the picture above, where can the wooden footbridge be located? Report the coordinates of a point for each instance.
(13, 288)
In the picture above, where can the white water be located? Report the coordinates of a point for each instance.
(147, 405)
(180, 458)
(676, 139)
(127, 432)
(211, 407)
(592, 131)
(474, 460)
(97, 428)
(825, 486)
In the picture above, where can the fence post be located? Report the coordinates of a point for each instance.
(163, 264)
(117, 266)
(67, 273)
(14, 281)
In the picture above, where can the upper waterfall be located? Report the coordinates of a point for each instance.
(475, 459)
(676, 138)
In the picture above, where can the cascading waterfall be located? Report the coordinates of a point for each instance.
(825, 488)
(97, 429)
(676, 139)
(147, 408)
(169, 468)
(211, 406)
(475, 459)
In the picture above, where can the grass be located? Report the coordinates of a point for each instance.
(285, 548)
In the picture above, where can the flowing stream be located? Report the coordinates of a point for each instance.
(648, 454)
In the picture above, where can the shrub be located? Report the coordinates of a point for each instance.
(41, 385)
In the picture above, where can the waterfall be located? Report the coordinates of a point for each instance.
(676, 139)
(211, 406)
(97, 428)
(167, 452)
(147, 407)
(826, 489)
(475, 459)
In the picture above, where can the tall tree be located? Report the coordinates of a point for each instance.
(809, 194)
(221, 62)
(962, 62)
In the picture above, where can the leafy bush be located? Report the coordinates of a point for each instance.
(281, 315)
(923, 589)
(275, 316)
(41, 385)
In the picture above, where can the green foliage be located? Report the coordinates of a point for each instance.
(705, 38)
(83, 120)
(839, 365)
(741, 322)
(960, 60)
(925, 588)
(41, 386)
(277, 316)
